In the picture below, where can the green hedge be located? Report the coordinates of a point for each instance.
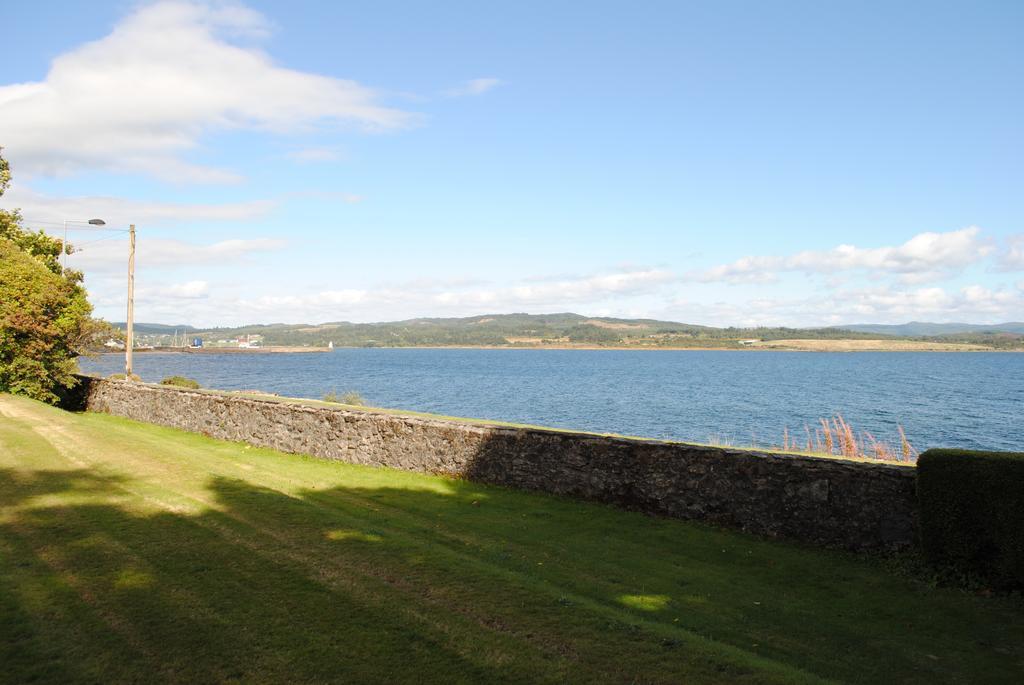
(972, 513)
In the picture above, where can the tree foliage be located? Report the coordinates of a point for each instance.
(45, 320)
(5, 174)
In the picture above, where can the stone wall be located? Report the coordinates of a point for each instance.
(827, 502)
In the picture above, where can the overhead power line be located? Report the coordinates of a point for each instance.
(78, 246)
(71, 227)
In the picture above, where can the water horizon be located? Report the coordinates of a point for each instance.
(941, 399)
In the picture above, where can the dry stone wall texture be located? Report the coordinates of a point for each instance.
(825, 502)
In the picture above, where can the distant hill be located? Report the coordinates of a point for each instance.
(156, 328)
(496, 330)
(567, 329)
(926, 329)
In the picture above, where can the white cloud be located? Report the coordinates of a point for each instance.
(309, 155)
(138, 99)
(882, 304)
(477, 86)
(164, 301)
(40, 210)
(926, 256)
(190, 290)
(451, 298)
(108, 256)
(971, 303)
(557, 293)
(634, 292)
(743, 270)
(593, 287)
(1012, 258)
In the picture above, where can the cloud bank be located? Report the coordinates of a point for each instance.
(422, 297)
(46, 211)
(142, 97)
(111, 255)
(926, 256)
(1012, 258)
(882, 304)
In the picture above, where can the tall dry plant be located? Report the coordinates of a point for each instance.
(835, 436)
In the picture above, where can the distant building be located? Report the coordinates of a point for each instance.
(248, 341)
(749, 342)
(197, 342)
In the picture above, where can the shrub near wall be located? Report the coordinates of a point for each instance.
(972, 513)
(181, 382)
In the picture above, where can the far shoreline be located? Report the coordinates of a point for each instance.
(770, 346)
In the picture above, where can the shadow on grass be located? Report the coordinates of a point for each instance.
(324, 586)
(19, 485)
(446, 582)
(92, 592)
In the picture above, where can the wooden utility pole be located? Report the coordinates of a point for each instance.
(130, 339)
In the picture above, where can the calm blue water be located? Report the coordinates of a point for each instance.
(973, 400)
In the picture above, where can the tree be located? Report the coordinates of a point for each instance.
(45, 320)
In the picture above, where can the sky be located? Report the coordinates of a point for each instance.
(719, 163)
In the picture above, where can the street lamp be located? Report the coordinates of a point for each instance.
(64, 245)
(130, 338)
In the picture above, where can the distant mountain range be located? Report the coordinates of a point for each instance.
(924, 328)
(568, 329)
(514, 321)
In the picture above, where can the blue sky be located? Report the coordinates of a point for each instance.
(799, 163)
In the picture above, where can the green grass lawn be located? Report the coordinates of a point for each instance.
(136, 553)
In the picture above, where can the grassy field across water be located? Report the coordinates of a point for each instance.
(136, 553)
